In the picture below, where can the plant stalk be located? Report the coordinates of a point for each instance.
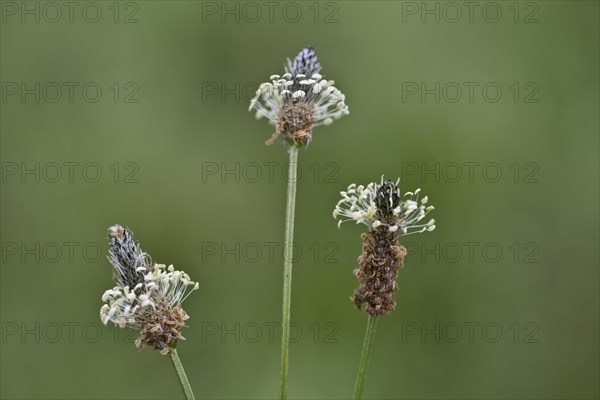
(364, 357)
(287, 267)
(185, 384)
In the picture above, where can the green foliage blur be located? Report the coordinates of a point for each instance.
(140, 118)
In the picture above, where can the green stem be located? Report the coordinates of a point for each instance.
(364, 357)
(287, 267)
(185, 384)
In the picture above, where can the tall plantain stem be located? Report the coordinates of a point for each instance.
(364, 357)
(287, 267)
(185, 384)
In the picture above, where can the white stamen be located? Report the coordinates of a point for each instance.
(298, 93)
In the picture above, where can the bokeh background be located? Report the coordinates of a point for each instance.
(176, 79)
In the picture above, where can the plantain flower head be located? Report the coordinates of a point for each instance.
(387, 214)
(299, 100)
(147, 296)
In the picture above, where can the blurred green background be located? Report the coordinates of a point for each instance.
(171, 121)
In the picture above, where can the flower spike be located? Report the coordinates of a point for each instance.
(147, 296)
(388, 215)
(299, 100)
